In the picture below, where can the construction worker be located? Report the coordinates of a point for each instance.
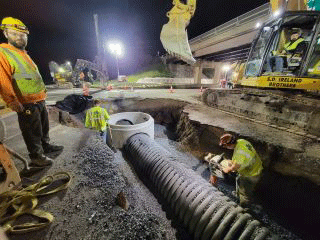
(246, 162)
(23, 90)
(294, 48)
(97, 118)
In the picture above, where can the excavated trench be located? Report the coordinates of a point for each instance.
(290, 204)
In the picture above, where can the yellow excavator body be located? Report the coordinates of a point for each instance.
(278, 88)
(173, 35)
(291, 5)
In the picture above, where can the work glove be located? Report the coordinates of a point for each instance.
(213, 179)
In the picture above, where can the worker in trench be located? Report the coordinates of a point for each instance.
(246, 162)
(23, 90)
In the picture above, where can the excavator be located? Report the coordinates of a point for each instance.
(61, 74)
(272, 87)
(64, 73)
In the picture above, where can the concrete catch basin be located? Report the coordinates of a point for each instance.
(125, 124)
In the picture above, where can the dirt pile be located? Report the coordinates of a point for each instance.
(102, 174)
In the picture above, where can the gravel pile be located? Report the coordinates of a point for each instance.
(89, 209)
(103, 171)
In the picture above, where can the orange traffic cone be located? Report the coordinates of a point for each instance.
(171, 90)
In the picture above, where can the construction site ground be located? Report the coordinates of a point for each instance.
(88, 209)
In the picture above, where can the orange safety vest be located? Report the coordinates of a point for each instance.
(26, 75)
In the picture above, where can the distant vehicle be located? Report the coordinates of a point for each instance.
(123, 78)
(61, 74)
(64, 73)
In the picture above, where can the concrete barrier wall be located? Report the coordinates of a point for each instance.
(176, 81)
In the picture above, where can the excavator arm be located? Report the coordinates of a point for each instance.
(174, 36)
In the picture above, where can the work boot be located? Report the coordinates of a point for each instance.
(49, 148)
(41, 160)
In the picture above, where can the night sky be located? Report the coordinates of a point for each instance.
(63, 30)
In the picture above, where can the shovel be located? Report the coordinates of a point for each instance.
(27, 170)
(110, 143)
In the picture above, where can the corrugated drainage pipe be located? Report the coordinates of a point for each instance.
(204, 211)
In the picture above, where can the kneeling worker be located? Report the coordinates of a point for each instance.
(23, 90)
(247, 163)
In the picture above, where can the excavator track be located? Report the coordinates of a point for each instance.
(292, 112)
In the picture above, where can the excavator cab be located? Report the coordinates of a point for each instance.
(173, 35)
(286, 53)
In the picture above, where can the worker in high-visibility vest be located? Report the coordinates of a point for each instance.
(23, 90)
(247, 163)
(97, 119)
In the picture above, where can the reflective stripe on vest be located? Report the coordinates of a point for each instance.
(96, 118)
(292, 46)
(246, 156)
(26, 75)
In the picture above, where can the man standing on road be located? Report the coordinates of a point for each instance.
(97, 118)
(22, 88)
(247, 163)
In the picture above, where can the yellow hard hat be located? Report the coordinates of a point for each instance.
(13, 23)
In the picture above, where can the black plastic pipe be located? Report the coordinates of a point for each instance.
(204, 211)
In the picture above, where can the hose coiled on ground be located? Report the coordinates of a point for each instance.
(204, 211)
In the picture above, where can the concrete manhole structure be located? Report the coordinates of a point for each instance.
(125, 124)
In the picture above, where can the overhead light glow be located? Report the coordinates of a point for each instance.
(115, 48)
(258, 25)
(226, 67)
(277, 13)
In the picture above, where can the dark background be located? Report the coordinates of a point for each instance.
(62, 30)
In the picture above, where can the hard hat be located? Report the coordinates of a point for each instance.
(13, 23)
(296, 31)
(226, 139)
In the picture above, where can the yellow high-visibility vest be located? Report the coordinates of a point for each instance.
(246, 156)
(26, 74)
(292, 46)
(96, 118)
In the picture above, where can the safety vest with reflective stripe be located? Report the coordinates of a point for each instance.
(26, 74)
(96, 118)
(248, 159)
(292, 46)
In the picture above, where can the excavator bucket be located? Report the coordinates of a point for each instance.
(173, 35)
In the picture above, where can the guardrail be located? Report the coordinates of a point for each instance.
(253, 15)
